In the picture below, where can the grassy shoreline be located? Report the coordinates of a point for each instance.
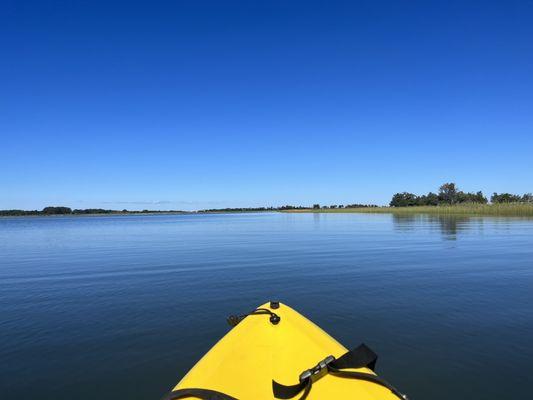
(508, 209)
(503, 209)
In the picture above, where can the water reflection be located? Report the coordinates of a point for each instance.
(316, 220)
(451, 226)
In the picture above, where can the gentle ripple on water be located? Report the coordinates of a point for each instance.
(100, 307)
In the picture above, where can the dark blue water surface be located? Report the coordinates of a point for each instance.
(120, 307)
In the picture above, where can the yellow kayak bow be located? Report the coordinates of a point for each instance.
(276, 353)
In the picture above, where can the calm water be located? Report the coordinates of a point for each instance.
(121, 307)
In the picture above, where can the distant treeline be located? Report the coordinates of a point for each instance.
(69, 211)
(511, 198)
(449, 194)
(285, 208)
(253, 209)
(333, 206)
(238, 209)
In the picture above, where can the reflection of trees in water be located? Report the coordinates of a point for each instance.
(316, 220)
(449, 225)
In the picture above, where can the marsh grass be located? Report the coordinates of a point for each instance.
(504, 209)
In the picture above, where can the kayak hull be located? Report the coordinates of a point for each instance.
(255, 352)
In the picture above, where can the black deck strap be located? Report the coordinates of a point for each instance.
(203, 394)
(360, 357)
(288, 392)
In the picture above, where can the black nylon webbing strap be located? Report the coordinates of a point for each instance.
(359, 357)
(288, 392)
(203, 394)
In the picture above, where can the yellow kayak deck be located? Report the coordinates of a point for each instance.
(255, 352)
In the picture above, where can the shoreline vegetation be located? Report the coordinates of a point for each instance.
(503, 209)
(465, 209)
(67, 211)
(448, 201)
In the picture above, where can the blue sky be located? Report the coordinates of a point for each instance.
(187, 105)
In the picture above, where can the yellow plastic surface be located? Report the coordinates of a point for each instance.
(244, 362)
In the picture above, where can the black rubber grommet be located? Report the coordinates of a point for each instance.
(274, 305)
(274, 318)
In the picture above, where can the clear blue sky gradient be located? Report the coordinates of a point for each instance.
(187, 105)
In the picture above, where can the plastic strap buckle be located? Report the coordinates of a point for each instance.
(317, 369)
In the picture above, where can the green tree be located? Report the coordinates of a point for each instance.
(403, 199)
(527, 198)
(432, 199)
(505, 198)
(56, 210)
(448, 193)
(479, 198)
